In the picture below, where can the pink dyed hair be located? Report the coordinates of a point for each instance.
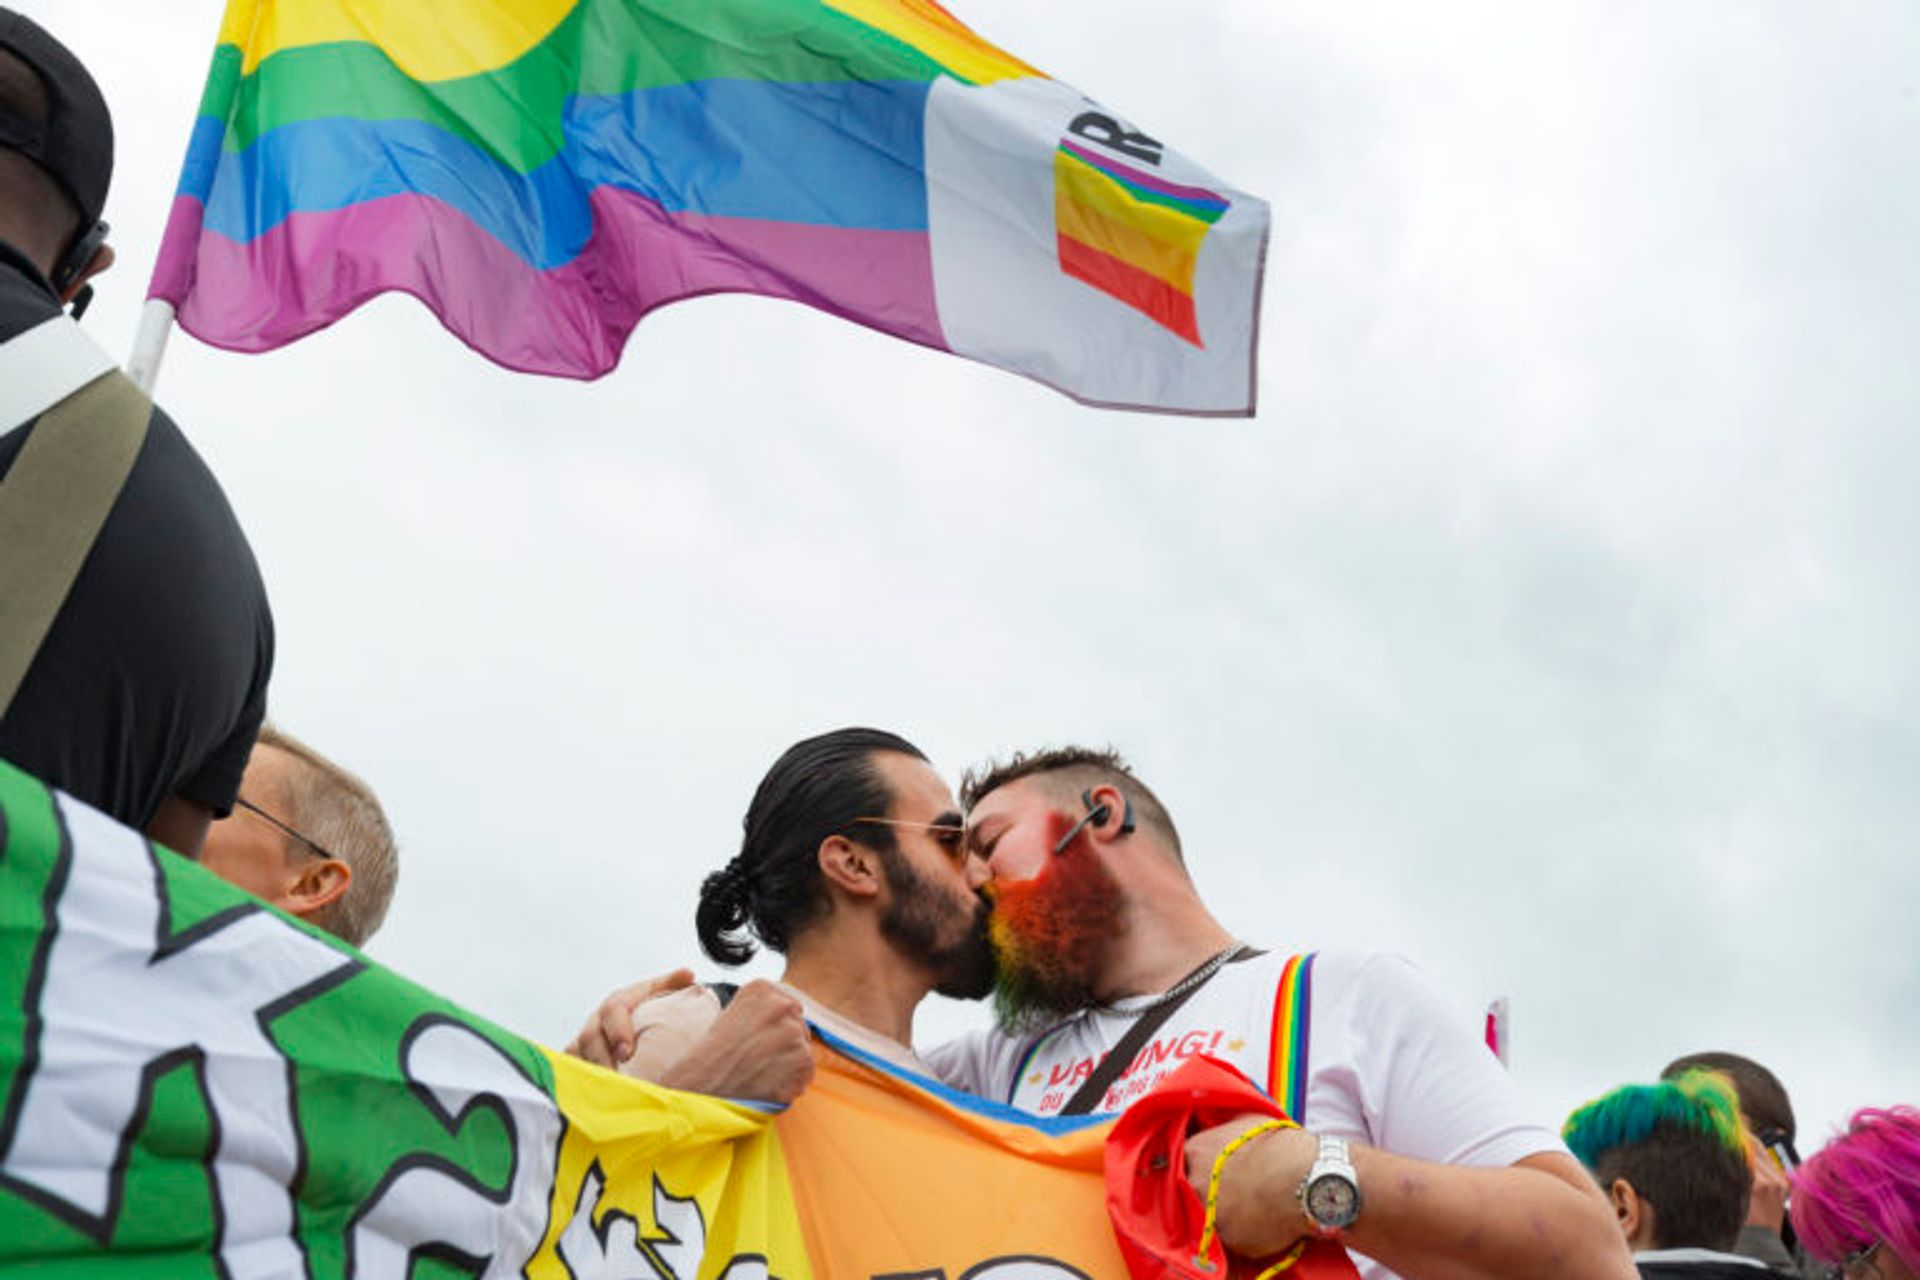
(1862, 1187)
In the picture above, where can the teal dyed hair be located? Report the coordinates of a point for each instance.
(1697, 1102)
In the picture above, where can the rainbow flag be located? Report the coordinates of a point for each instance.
(194, 1084)
(543, 173)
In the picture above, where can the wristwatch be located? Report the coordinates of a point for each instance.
(1330, 1193)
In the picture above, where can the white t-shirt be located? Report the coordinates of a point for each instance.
(1390, 1063)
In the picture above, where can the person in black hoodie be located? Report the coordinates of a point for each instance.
(146, 694)
(1673, 1159)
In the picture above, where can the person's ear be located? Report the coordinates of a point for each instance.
(321, 883)
(102, 258)
(852, 868)
(1632, 1213)
(1118, 820)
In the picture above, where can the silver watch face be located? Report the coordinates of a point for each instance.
(1333, 1201)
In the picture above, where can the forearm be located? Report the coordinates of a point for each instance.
(1446, 1222)
(1538, 1220)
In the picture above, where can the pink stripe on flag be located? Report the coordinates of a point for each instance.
(571, 321)
(1152, 182)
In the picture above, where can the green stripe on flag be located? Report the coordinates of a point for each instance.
(602, 47)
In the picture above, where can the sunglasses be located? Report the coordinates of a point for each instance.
(950, 836)
(1780, 1146)
(1855, 1266)
(241, 802)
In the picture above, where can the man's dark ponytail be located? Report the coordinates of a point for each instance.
(722, 914)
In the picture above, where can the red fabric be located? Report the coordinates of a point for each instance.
(1156, 1215)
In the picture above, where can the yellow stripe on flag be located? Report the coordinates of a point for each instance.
(423, 39)
(935, 33)
(1097, 211)
(1125, 241)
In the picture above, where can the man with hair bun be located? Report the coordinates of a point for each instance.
(853, 866)
(1672, 1159)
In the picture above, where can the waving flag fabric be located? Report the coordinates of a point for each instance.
(195, 1085)
(542, 173)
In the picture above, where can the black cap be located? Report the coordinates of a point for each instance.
(75, 143)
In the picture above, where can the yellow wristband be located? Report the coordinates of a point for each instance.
(1208, 1223)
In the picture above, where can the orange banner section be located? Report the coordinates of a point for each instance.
(895, 1180)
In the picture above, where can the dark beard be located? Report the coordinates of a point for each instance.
(914, 923)
(1052, 935)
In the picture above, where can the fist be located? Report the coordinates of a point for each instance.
(757, 1050)
(667, 1027)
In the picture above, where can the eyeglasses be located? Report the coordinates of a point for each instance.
(241, 802)
(950, 836)
(1855, 1266)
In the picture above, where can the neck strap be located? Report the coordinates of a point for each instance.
(1151, 1019)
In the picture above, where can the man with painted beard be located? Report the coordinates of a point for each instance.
(853, 865)
(1414, 1150)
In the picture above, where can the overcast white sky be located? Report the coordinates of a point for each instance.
(1554, 623)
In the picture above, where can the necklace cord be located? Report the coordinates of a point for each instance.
(1208, 967)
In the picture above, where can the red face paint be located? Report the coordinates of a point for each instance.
(1052, 933)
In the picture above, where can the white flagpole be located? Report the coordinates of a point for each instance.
(150, 343)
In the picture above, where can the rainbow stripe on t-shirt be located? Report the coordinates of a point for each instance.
(1292, 1016)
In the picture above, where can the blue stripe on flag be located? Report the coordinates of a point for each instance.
(844, 154)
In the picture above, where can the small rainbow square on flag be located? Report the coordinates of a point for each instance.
(1132, 235)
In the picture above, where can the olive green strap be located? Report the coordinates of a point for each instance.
(53, 502)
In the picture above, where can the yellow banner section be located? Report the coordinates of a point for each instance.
(427, 39)
(1095, 210)
(937, 34)
(895, 1180)
(650, 1182)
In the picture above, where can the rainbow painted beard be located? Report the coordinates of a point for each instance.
(1051, 935)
